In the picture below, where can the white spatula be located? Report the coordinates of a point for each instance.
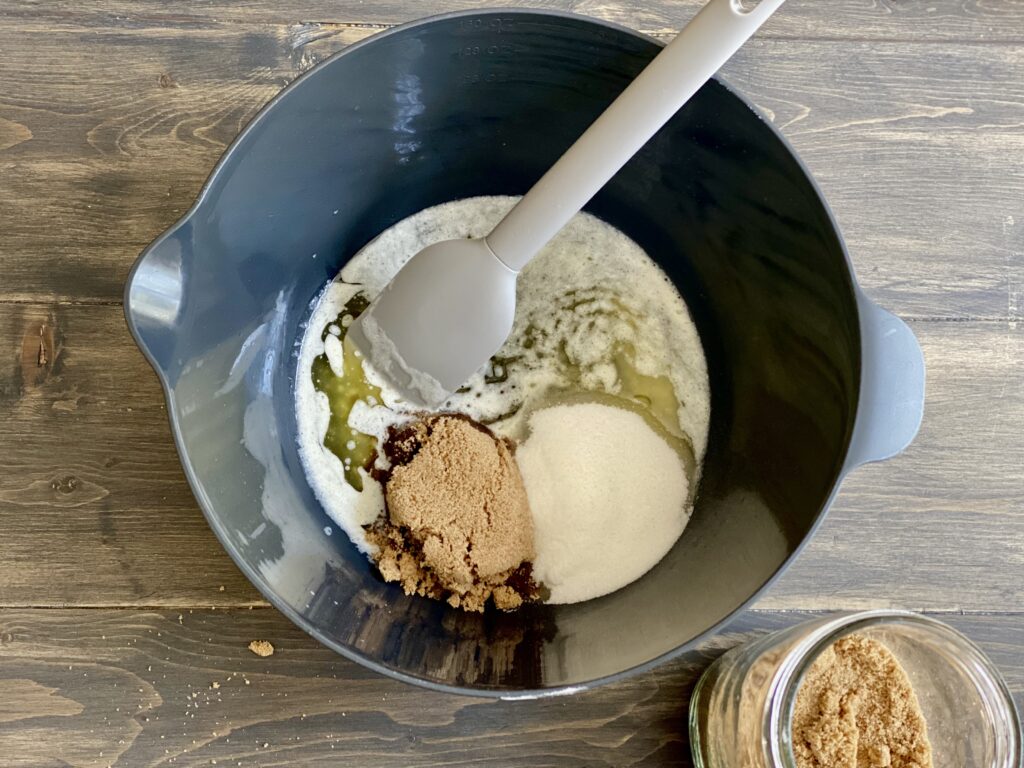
(451, 306)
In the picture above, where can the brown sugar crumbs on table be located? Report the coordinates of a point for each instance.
(261, 647)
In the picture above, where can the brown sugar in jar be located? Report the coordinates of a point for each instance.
(856, 708)
(877, 689)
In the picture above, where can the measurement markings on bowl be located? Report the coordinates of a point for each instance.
(497, 24)
(483, 56)
(503, 50)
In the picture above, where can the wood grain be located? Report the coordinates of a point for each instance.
(941, 526)
(95, 509)
(90, 474)
(910, 113)
(912, 20)
(144, 688)
(912, 144)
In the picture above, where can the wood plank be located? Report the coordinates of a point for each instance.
(106, 148)
(95, 510)
(90, 475)
(942, 525)
(105, 152)
(126, 688)
(946, 20)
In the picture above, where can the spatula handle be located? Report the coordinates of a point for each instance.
(705, 44)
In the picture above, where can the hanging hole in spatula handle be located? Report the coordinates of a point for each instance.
(754, 11)
(747, 7)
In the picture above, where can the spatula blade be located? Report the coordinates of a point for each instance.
(448, 310)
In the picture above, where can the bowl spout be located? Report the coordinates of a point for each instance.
(154, 294)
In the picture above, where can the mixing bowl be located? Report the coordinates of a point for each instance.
(809, 378)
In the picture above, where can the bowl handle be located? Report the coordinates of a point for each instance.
(154, 295)
(892, 386)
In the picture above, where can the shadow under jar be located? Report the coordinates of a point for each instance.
(742, 709)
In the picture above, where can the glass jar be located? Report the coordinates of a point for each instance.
(742, 707)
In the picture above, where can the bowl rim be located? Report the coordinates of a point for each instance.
(348, 652)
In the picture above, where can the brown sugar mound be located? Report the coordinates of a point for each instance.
(857, 709)
(458, 525)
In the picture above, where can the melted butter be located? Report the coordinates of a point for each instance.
(355, 449)
(656, 401)
(652, 397)
(655, 393)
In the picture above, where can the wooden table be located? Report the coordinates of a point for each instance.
(123, 625)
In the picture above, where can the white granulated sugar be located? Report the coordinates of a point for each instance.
(589, 294)
(607, 495)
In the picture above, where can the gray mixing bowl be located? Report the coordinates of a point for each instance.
(809, 378)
